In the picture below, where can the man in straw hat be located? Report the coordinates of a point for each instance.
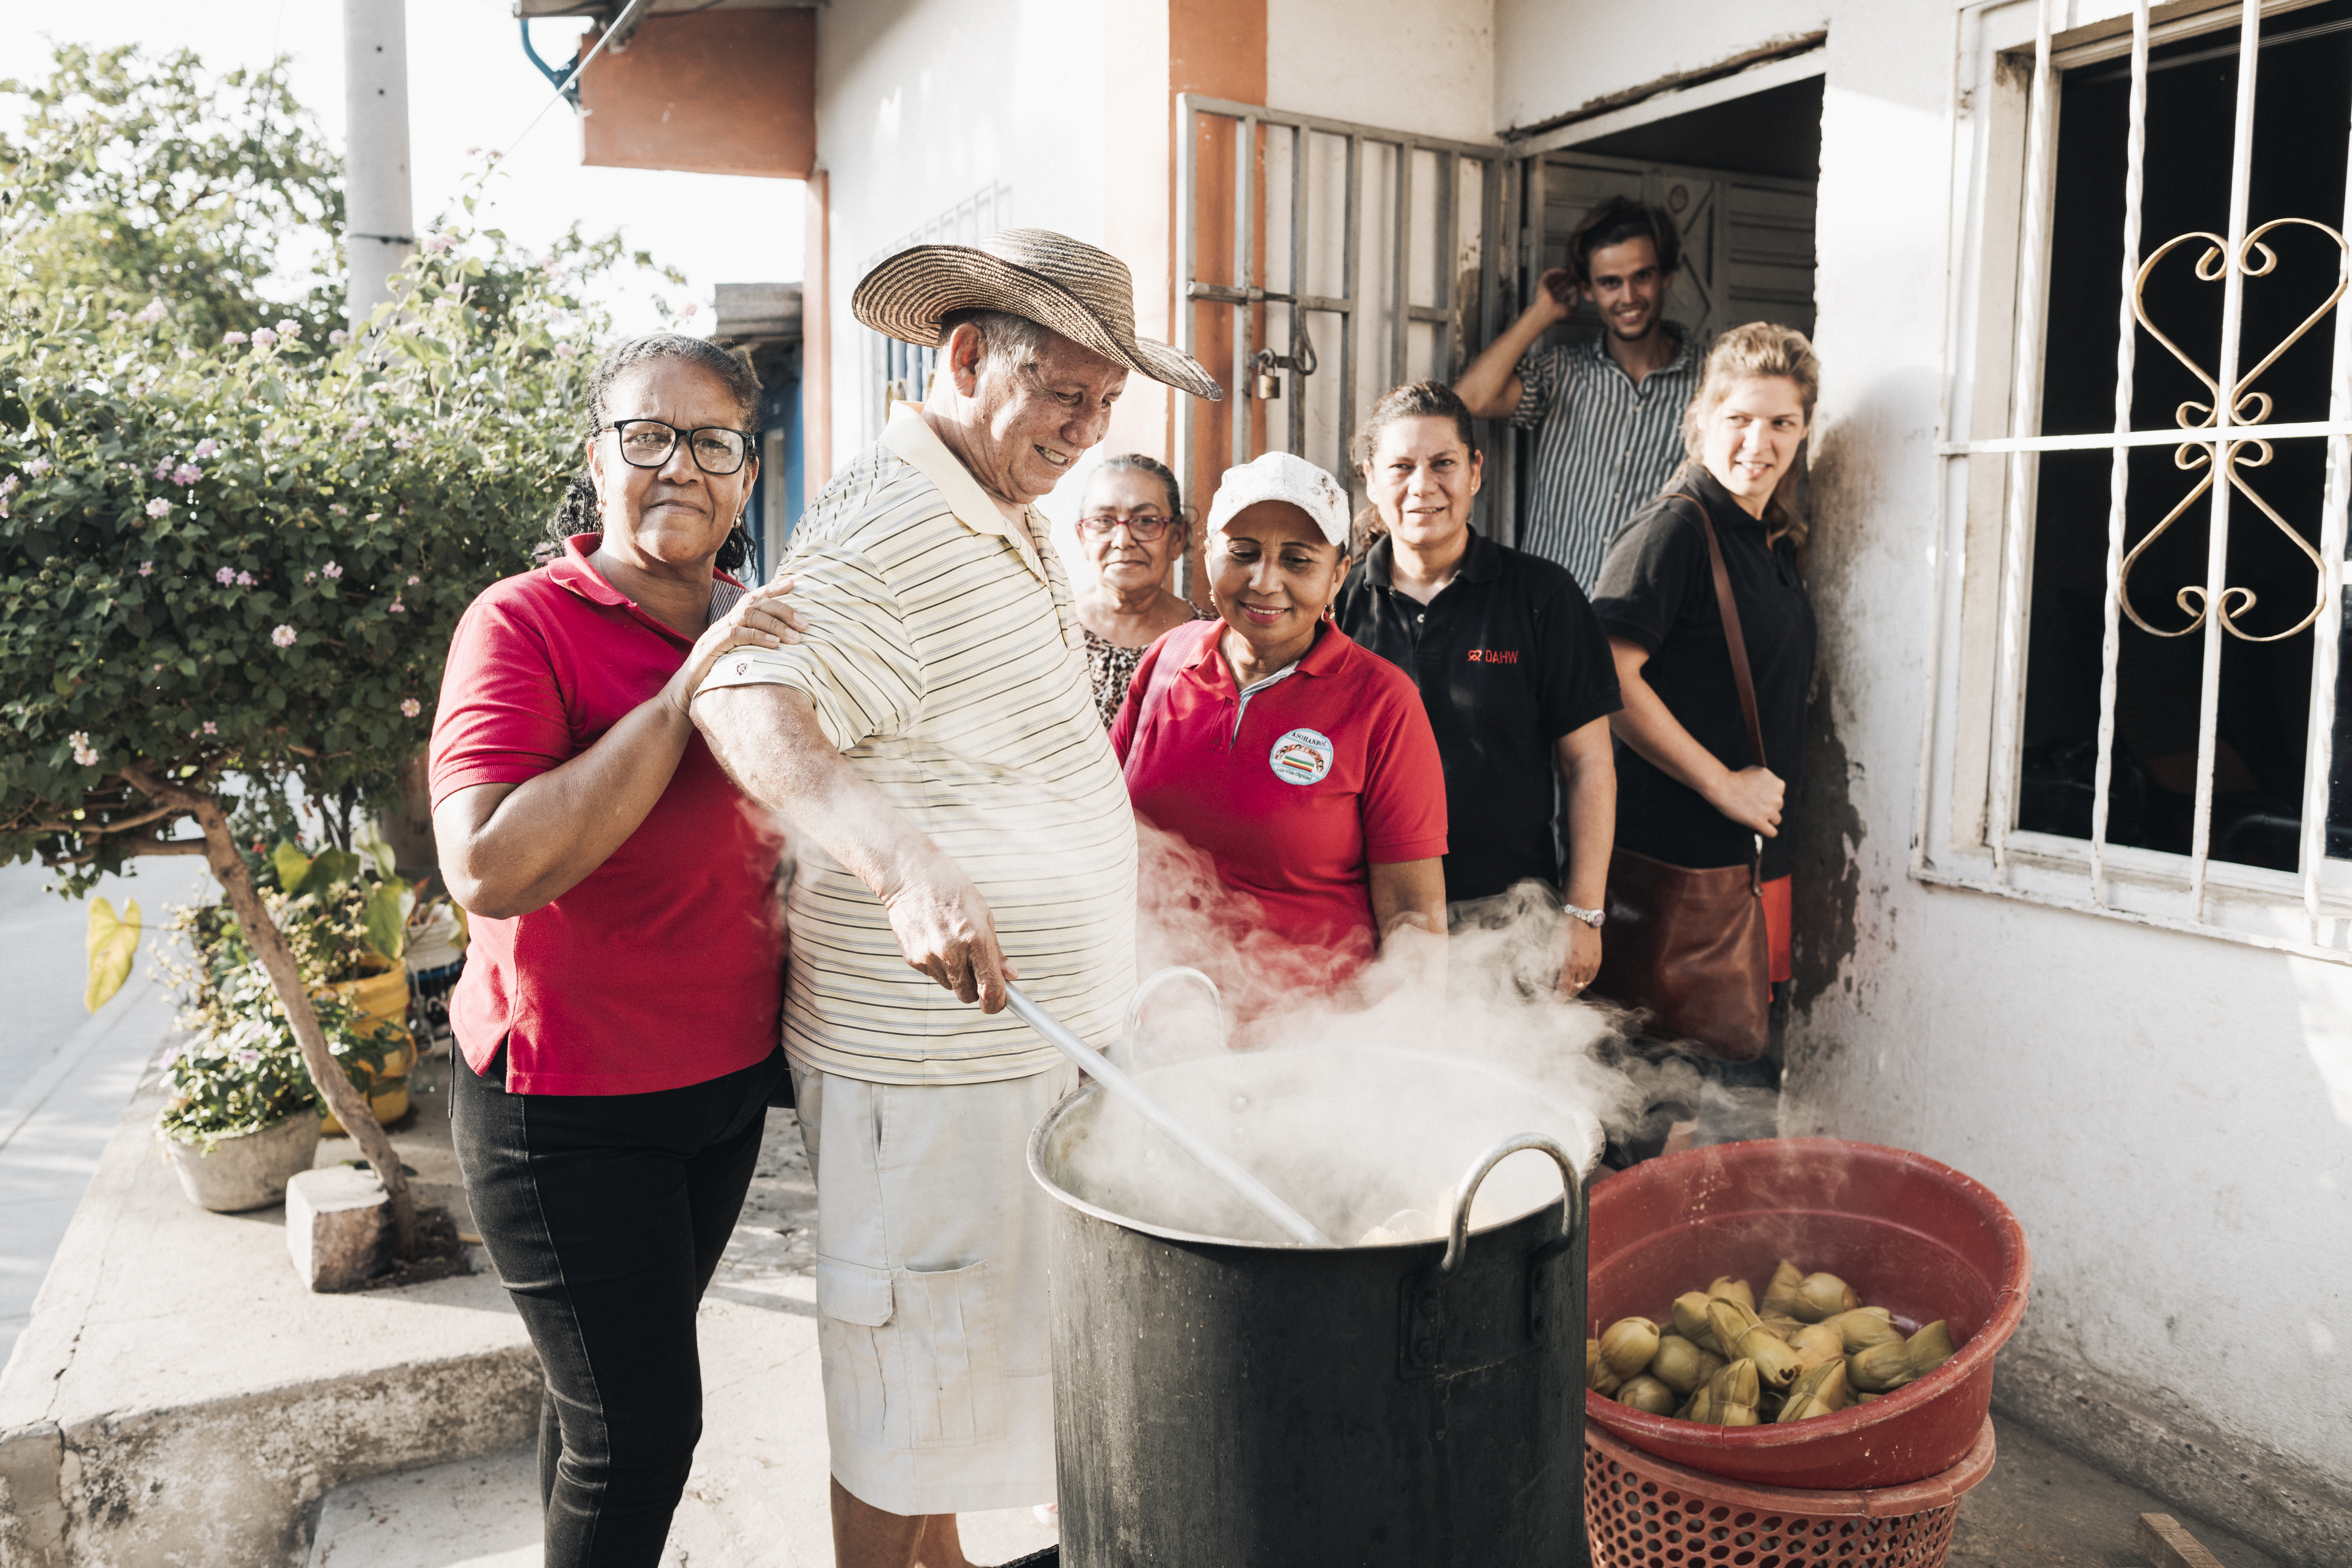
(961, 823)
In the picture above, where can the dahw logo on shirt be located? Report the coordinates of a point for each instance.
(1494, 655)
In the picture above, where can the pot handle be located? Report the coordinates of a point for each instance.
(1457, 1237)
(1126, 1051)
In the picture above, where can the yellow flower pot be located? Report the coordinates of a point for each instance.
(388, 1100)
(379, 998)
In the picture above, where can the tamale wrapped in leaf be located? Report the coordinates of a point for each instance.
(1726, 1289)
(1864, 1327)
(1690, 1320)
(1627, 1345)
(1780, 1290)
(1647, 1394)
(1880, 1369)
(1597, 1376)
(1930, 1348)
(1816, 1344)
(1824, 1296)
(1680, 1365)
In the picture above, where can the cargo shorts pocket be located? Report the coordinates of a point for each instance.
(910, 1354)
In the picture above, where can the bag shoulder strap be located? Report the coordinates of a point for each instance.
(1734, 638)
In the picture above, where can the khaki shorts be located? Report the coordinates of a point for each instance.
(933, 1321)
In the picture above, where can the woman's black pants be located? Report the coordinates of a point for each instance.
(605, 1216)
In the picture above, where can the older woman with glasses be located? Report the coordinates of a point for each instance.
(1133, 530)
(617, 1023)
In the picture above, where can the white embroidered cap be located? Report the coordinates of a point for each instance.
(1279, 476)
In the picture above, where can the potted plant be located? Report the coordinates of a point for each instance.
(345, 915)
(242, 1120)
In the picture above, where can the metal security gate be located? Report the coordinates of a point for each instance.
(1319, 263)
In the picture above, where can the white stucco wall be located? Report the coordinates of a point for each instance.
(1551, 57)
(921, 103)
(1426, 65)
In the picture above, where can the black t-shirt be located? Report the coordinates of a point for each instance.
(1656, 589)
(1508, 659)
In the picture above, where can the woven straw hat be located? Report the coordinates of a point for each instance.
(1085, 294)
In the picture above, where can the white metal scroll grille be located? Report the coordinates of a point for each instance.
(2215, 444)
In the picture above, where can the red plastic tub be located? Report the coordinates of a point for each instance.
(1643, 1512)
(1908, 1232)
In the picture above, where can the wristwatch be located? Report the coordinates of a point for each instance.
(1589, 917)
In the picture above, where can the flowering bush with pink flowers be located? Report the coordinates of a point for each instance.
(232, 553)
(240, 572)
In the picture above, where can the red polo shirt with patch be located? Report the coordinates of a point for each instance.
(663, 966)
(1295, 794)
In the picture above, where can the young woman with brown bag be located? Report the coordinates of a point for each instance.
(1713, 636)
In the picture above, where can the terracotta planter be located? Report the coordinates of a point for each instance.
(248, 1171)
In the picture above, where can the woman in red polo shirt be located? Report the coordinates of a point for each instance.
(1304, 766)
(618, 1018)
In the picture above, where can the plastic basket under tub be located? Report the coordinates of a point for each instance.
(1641, 1512)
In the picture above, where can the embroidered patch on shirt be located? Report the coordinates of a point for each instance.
(1302, 757)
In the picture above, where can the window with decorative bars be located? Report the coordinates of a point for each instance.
(2136, 702)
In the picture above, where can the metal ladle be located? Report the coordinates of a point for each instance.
(1098, 1067)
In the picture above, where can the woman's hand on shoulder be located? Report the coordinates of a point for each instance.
(760, 619)
(1752, 797)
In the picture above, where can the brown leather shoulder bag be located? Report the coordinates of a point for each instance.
(1687, 946)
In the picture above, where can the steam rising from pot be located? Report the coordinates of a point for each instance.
(1362, 1101)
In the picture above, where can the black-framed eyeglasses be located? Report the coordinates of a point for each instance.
(1146, 526)
(648, 444)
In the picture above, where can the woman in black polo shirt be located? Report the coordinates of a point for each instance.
(1514, 672)
(1690, 792)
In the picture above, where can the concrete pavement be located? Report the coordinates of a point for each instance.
(65, 1075)
(757, 1496)
(180, 1397)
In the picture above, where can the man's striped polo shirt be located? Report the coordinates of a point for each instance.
(944, 659)
(1603, 445)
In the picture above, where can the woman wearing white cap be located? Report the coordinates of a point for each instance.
(1304, 766)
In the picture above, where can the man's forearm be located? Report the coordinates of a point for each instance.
(1486, 386)
(768, 741)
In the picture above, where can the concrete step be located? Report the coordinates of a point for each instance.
(178, 1397)
(470, 1513)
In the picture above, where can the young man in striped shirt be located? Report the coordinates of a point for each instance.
(1607, 414)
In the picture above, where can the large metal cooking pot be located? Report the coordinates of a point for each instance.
(1222, 1397)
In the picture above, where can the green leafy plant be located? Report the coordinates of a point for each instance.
(232, 558)
(232, 1074)
(241, 1069)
